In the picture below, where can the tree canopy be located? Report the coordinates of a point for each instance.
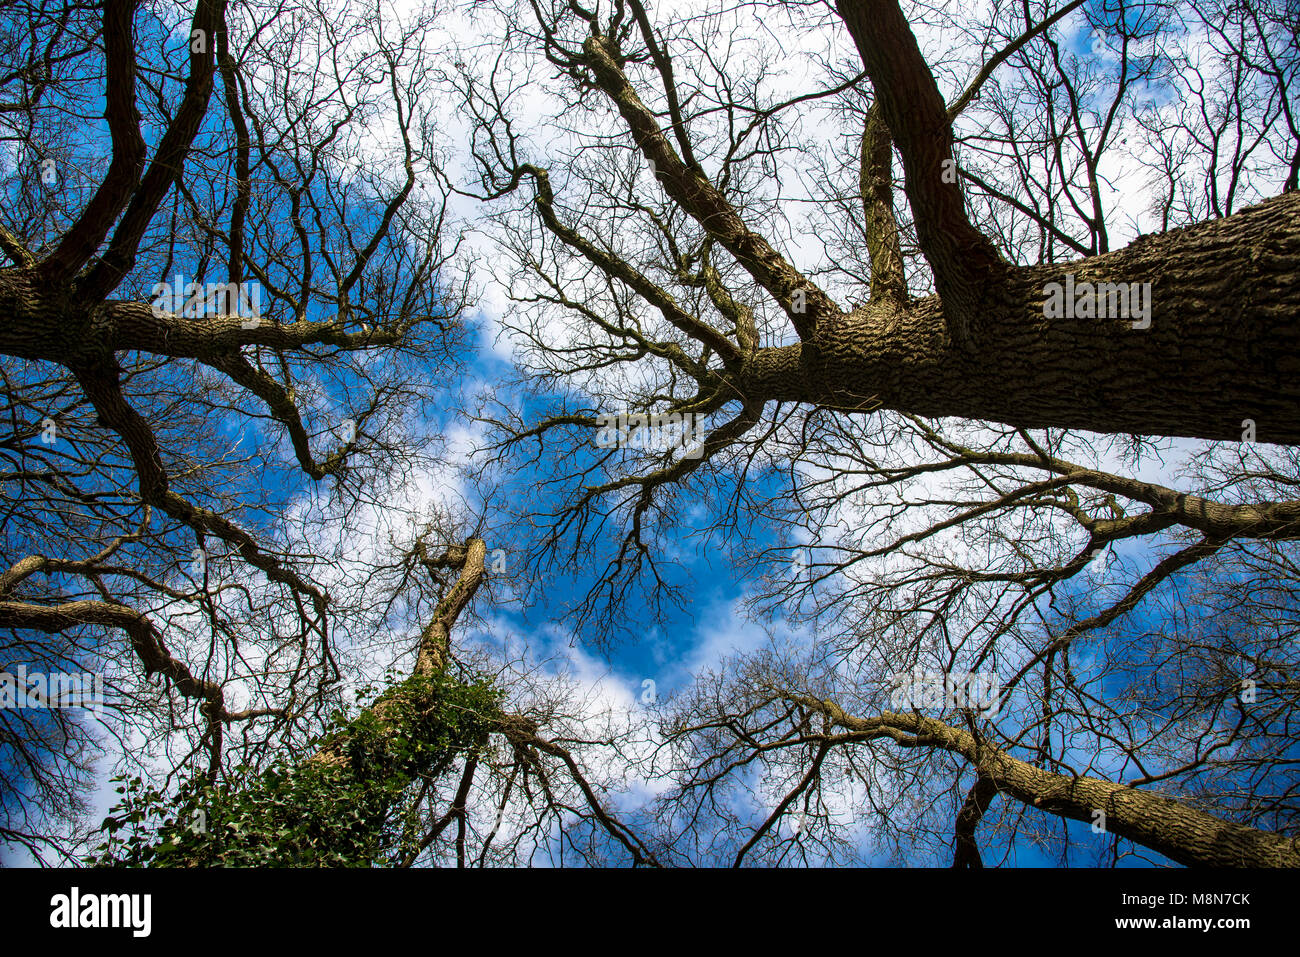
(359, 358)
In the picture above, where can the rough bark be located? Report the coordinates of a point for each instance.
(964, 262)
(1173, 828)
(1223, 343)
(966, 851)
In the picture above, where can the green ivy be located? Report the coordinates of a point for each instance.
(352, 812)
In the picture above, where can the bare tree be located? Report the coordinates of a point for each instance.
(451, 764)
(1013, 624)
(987, 343)
(194, 324)
(650, 245)
(253, 295)
(655, 244)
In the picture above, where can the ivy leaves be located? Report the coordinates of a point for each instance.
(315, 813)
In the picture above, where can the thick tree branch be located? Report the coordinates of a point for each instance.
(964, 262)
(1221, 343)
(876, 183)
(805, 304)
(80, 242)
(1178, 830)
(966, 852)
(168, 161)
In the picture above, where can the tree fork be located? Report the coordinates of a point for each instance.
(1222, 344)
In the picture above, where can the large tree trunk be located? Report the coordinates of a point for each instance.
(1223, 343)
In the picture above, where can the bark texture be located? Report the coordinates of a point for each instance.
(1176, 829)
(1223, 343)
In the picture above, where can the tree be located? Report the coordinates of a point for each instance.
(996, 635)
(986, 343)
(648, 281)
(118, 385)
(357, 799)
(239, 304)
